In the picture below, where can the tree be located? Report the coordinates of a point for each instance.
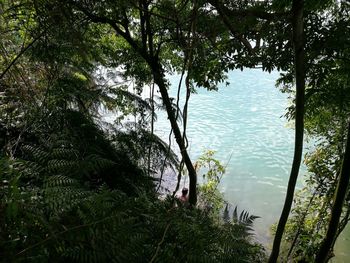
(339, 198)
(297, 13)
(146, 40)
(73, 189)
(326, 115)
(242, 32)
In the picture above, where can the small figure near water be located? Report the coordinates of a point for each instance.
(184, 197)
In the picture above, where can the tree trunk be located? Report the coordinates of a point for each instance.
(342, 187)
(298, 41)
(159, 80)
(151, 58)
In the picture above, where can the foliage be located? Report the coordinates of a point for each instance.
(310, 216)
(75, 189)
(52, 214)
(326, 118)
(70, 181)
(212, 171)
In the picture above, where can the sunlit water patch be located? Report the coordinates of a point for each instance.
(244, 123)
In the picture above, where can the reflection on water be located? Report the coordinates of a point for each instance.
(243, 123)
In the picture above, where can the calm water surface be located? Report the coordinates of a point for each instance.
(243, 122)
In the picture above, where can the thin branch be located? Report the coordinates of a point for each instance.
(64, 232)
(164, 162)
(160, 243)
(149, 33)
(227, 13)
(244, 13)
(142, 25)
(167, 18)
(225, 18)
(152, 127)
(114, 24)
(22, 52)
(301, 223)
(192, 44)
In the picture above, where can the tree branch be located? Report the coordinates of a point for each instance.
(160, 243)
(21, 53)
(114, 24)
(225, 18)
(299, 67)
(251, 12)
(226, 13)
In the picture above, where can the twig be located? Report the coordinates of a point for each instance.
(21, 53)
(160, 243)
(63, 232)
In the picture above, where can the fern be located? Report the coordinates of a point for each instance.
(64, 153)
(78, 195)
(39, 155)
(244, 217)
(59, 180)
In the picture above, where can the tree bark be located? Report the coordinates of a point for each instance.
(339, 197)
(153, 62)
(157, 72)
(159, 80)
(299, 64)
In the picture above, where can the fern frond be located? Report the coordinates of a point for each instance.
(63, 198)
(61, 166)
(244, 217)
(36, 153)
(64, 153)
(59, 180)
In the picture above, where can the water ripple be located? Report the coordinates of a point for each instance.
(244, 119)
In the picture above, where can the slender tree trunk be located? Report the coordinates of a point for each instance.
(159, 80)
(297, 16)
(157, 72)
(340, 194)
(151, 97)
(151, 58)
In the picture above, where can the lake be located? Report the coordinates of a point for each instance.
(244, 124)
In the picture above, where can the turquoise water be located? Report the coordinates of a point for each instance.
(243, 122)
